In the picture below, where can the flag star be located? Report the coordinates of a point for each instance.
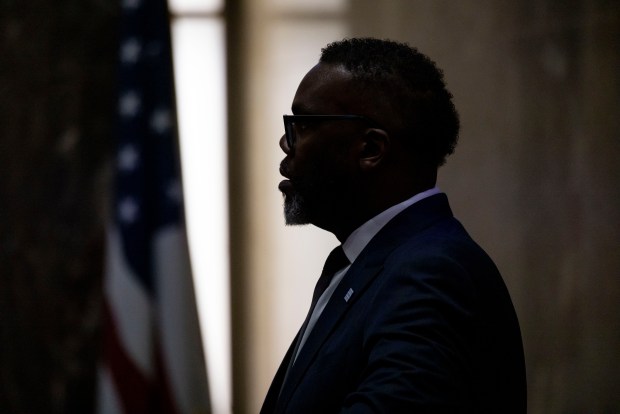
(131, 4)
(130, 50)
(161, 121)
(129, 104)
(128, 158)
(174, 191)
(128, 210)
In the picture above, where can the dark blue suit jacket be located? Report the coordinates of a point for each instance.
(429, 328)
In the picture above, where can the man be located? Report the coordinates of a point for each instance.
(416, 319)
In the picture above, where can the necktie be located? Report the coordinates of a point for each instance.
(335, 261)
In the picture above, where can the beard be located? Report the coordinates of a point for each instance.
(298, 195)
(295, 209)
(316, 195)
(309, 200)
(315, 200)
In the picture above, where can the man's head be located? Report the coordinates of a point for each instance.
(344, 170)
(409, 84)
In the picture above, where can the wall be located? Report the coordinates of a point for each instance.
(535, 179)
(536, 175)
(56, 104)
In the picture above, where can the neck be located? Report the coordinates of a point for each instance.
(360, 212)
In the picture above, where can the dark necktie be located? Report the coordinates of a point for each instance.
(335, 261)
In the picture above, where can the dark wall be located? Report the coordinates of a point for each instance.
(536, 177)
(57, 103)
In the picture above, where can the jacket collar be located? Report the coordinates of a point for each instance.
(362, 272)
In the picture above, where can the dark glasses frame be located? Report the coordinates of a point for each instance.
(289, 123)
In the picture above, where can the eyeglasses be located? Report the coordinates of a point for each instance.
(291, 122)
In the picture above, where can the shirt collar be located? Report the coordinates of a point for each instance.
(356, 242)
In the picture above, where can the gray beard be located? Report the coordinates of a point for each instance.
(295, 211)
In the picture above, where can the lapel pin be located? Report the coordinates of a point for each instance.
(348, 295)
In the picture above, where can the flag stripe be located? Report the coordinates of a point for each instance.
(129, 382)
(133, 310)
(136, 393)
(108, 401)
(164, 402)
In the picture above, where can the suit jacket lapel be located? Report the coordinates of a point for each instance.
(362, 272)
(356, 279)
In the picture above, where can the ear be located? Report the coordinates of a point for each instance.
(375, 147)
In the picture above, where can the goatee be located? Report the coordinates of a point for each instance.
(295, 209)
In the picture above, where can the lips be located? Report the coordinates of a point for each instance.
(285, 185)
(284, 169)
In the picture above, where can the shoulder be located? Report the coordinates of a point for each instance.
(445, 243)
(441, 265)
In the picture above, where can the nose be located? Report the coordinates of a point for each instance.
(284, 144)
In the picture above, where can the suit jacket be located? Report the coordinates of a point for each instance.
(428, 328)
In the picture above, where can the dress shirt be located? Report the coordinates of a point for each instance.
(353, 246)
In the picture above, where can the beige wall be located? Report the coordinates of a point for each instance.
(534, 179)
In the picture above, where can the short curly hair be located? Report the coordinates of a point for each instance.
(412, 82)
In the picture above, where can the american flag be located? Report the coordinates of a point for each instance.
(153, 360)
